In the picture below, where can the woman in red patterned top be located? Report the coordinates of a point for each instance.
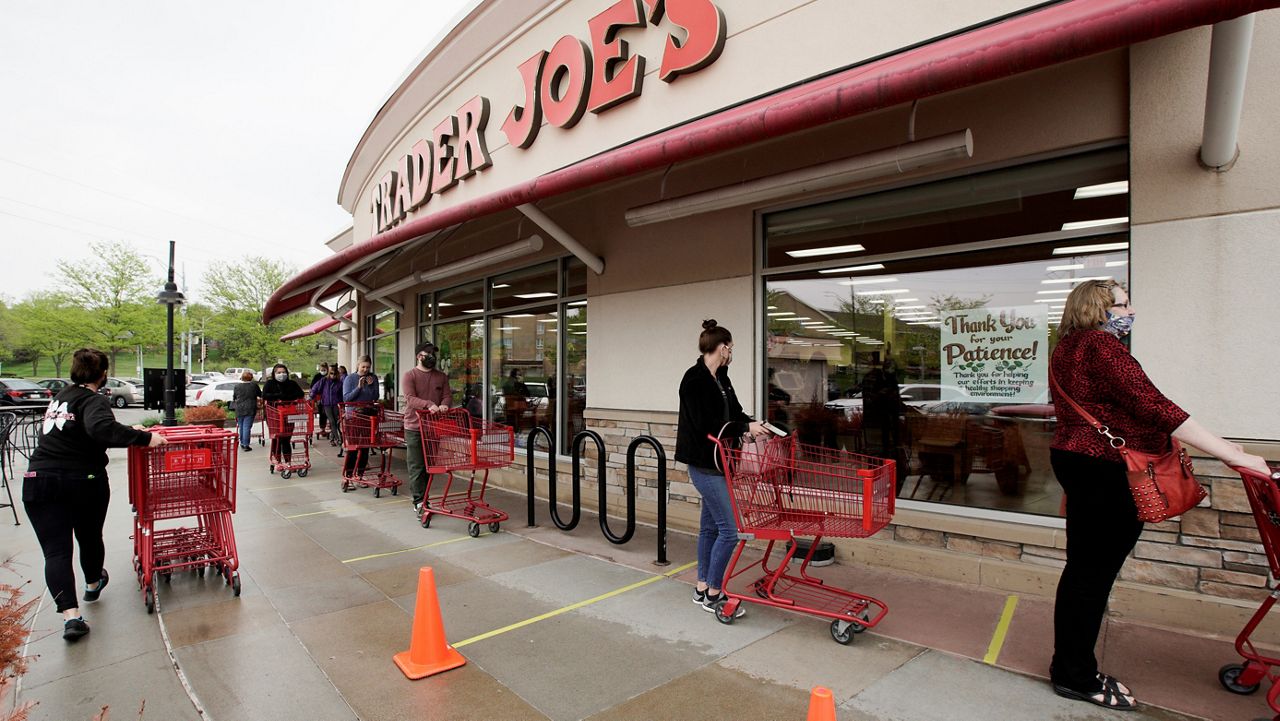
(1093, 367)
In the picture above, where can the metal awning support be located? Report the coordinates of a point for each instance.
(1224, 100)
(561, 236)
(367, 290)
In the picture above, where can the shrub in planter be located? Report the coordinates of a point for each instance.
(210, 415)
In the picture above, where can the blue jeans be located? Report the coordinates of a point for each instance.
(244, 424)
(719, 532)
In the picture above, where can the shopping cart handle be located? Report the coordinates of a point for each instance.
(1275, 475)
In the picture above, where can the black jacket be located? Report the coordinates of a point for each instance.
(703, 412)
(273, 391)
(78, 429)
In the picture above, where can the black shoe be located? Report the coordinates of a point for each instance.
(248, 448)
(711, 603)
(699, 597)
(74, 629)
(92, 595)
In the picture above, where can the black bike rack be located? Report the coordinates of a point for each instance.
(601, 460)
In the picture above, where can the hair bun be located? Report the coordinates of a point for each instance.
(709, 324)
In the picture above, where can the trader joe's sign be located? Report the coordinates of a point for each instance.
(996, 355)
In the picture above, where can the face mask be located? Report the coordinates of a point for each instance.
(1118, 325)
(282, 377)
(428, 362)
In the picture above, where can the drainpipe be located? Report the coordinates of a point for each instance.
(1228, 67)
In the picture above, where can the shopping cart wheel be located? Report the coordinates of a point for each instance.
(473, 529)
(1229, 675)
(426, 520)
(303, 473)
(149, 598)
(842, 631)
(726, 610)
(859, 628)
(272, 469)
(395, 490)
(493, 527)
(285, 474)
(235, 584)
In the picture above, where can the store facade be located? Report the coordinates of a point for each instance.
(886, 204)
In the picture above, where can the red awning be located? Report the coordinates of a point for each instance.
(1049, 36)
(309, 329)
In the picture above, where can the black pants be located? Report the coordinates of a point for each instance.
(61, 504)
(1102, 528)
(355, 462)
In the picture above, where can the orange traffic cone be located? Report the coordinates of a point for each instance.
(822, 705)
(428, 652)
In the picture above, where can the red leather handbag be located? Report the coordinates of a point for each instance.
(1163, 484)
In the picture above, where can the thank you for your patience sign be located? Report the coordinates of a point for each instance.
(996, 355)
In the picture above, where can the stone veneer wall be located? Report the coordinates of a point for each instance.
(1213, 550)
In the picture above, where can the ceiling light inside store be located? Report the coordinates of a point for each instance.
(443, 304)
(1048, 300)
(878, 301)
(897, 291)
(577, 332)
(578, 325)
(773, 307)
(1055, 290)
(812, 323)
(501, 285)
(869, 281)
(782, 313)
(547, 320)
(1120, 187)
(531, 296)
(509, 327)
(519, 315)
(909, 307)
(900, 301)
(829, 250)
(1082, 224)
(1095, 248)
(578, 302)
(1077, 280)
(1072, 266)
(854, 268)
(474, 310)
(1116, 263)
(800, 317)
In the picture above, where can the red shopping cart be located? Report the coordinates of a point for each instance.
(289, 426)
(1264, 498)
(795, 490)
(454, 440)
(368, 427)
(192, 476)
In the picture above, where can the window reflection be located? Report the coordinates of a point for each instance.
(522, 371)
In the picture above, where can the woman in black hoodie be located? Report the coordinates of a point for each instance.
(709, 407)
(65, 490)
(280, 388)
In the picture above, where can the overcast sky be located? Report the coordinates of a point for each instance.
(224, 126)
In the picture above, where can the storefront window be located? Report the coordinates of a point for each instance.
(461, 355)
(525, 286)
(574, 394)
(382, 334)
(934, 350)
(522, 370)
(463, 300)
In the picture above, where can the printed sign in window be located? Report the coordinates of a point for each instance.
(995, 355)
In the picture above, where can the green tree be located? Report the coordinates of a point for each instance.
(116, 287)
(237, 294)
(53, 327)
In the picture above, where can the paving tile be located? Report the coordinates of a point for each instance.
(712, 693)
(936, 686)
(664, 611)
(282, 557)
(803, 655)
(261, 675)
(198, 624)
(518, 555)
(1028, 645)
(1177, 670)
(570, 667)
(480, 606)
(320, 597)
(354, 647)
(570, 579)
(123, 686)
(402, 578)
(189, 590)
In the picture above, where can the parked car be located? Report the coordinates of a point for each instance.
(235, 373)
(536, 400)
(193, 388)
(914, 395)
(16, 391)
(123, 392)
(220, 391)
(54, 384)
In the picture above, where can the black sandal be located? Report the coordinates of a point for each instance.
(1109, 696)
(1115, 683)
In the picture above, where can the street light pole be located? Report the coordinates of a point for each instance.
(170, 297)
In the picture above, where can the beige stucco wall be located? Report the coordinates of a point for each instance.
(1205, 245)
(761, 54)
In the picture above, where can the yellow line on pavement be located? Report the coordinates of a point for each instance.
(407, 550)
(1002, 629)
(574, 606)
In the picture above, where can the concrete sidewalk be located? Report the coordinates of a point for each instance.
(554, 626)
